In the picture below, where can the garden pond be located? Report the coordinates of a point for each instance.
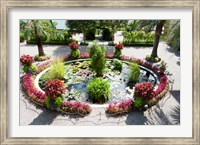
(78, 73)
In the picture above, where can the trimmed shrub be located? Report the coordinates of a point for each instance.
(54, 89)
(144, 91)
(118, 50)
(117, 64)
(98, 90)
(98, 60)
(74, 50)
(134, 73)
(26, 60)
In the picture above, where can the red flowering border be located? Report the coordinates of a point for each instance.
(38, 97)
(120, 108)
(29, 88)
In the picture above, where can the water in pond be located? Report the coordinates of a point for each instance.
(78, 74)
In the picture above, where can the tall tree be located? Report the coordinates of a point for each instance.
(149, 25)
(37, 28)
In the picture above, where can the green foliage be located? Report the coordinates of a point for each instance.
(82, 26)
(93, 48)
(134, 72)
(117, 64)
(132, 25)
(56, 72)
(98, 60)
(172, 35)
(47, 31)
(117, 53)
(58, 101)
(75, 54)
(138, 37)
(47, 101)
(106, 34)
(138, 102)
(30, 68)
(53, 103)
(22, 38)
(98, 90)
(41, 58)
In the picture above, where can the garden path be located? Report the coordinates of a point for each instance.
(167, 111)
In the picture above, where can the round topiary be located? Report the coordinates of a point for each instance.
(54, 88)
(144, 91)
(98, 90)
(117, 64)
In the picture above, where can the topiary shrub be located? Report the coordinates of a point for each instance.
(144, 91)
(134, 73)
(54, 90)
(98, 60)
(26, 61)
(98, 90)
(117, 64)
(118, 50)
(75, 52)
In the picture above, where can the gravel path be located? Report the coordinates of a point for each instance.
(166, 112)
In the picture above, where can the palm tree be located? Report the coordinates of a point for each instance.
(149, 25)
(36, 27)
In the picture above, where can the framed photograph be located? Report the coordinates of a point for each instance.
(100, 72)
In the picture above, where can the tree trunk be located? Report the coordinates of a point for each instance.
(158, 32)
(39, 43)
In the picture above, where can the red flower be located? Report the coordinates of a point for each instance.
(84, 55)
(26, 60)
(121, 107)
(73, 45)
(54, 88)
(119, 46)
(145, 91)
(76, 107)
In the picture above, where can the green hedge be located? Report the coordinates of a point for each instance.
(52, 42)
(138, 38)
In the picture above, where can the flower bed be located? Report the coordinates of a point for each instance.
(82, 108)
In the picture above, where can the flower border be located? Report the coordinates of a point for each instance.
(39, 97)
